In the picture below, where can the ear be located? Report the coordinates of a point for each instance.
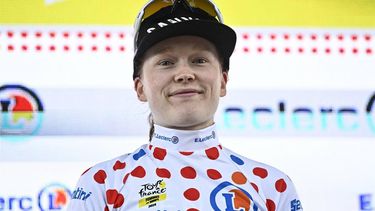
(139, 88)
(223, 83)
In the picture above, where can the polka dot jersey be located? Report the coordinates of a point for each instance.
(184, 171)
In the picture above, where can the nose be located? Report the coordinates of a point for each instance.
(185, 75)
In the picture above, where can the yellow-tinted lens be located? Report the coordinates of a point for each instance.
(156, 6)
(203, 5)
(159, 4)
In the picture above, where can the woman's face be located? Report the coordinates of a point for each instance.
(182, 81)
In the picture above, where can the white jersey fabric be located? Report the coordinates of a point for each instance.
(184, 171)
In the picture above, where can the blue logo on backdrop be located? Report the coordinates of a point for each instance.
(366, 202)
(51, 198)
(21, 111)
(54, 197)
(235, 198)
(286, 116)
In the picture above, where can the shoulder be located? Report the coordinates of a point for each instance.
(104, 179)
(275, 186)
(104, 172)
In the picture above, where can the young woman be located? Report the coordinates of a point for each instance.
(181, 68)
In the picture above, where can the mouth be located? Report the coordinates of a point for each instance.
(185, 93)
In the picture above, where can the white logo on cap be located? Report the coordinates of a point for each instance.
(171, 21)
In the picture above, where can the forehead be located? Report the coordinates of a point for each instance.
(191, 42)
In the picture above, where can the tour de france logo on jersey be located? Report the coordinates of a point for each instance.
(21, 110)
(229, 197)
(151, 193)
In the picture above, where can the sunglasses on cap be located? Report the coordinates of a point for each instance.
(154, 6)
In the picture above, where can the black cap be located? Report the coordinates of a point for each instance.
(179, 21)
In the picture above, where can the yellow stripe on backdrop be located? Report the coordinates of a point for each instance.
(307, 13)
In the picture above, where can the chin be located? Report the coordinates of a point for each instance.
(192, 121)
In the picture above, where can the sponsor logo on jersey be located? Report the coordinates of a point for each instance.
(206, 138)
(173, 139)
(80, 194)
(229, 197)
(21, 110)
(151, 193)
(295, 205)
(366, 202)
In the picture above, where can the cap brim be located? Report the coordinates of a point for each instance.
(222, 36)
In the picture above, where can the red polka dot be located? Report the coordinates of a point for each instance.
(125, 178)
(213, 174)
(150, 147)
(186, 153)
(270, 205)
(159, 153)
(188, 172)
(162, 172)
(38, 34)
(119, 165)
(100, 176)
(212, 153)
(367, 37)
(192, 194)
(86, 171)
(115, 198)
(280, 185)
(239, 178)
(66, 34)
(255, 187)
(52, 34)
(221, 147)
(192, 209)
(260, 172)
(327, 37)
(138, 172)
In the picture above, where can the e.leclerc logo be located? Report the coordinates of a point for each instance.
(21, 111)
(50, 198)
(329, 113)
(235, 199)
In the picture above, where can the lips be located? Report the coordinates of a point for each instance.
(185, 92)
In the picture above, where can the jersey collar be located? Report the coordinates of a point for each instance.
(184, 140)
